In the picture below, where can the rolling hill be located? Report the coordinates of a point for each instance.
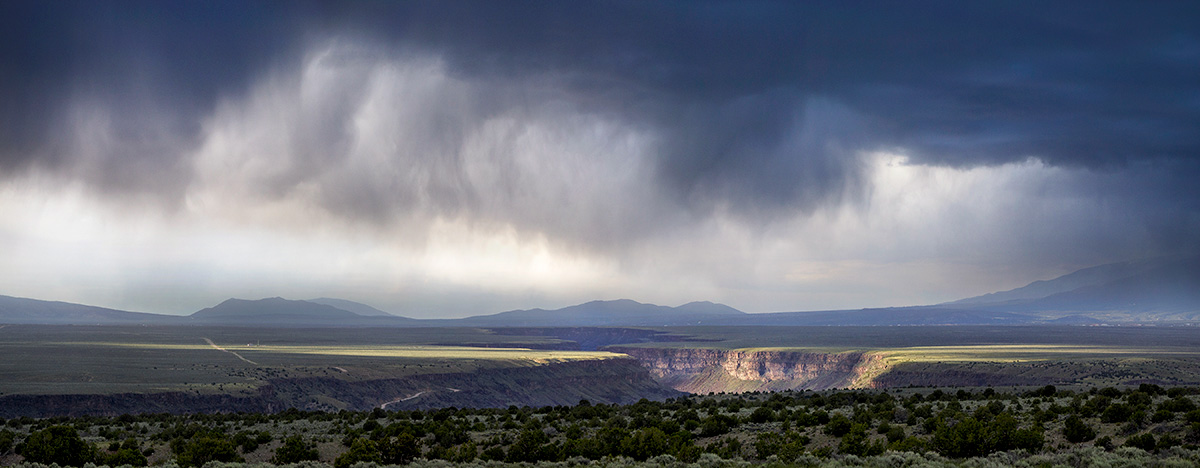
(18, 310)
(1157, 290)
(270, 309)
(279, 312)
(892, 316)
(622, 312)
(351, 306)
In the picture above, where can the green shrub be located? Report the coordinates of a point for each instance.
(717, 424)
(531, 446)
(6, 440)
(361, 450)
(126, 453)
(728, 447)
(1178, 405)
(1075, 430)
(399, 450)
(854, 442)
(1138, 399)
(909, 444)
(646, 443)
(294, 450)
(57, 444)
(246, 440)
(1116, 413)
(204, 448)
(971, 437)
(1095, 405)
(966, 438)
(1145, 442)
(465, 453)
(1031, 440)
(493, 454)
(838, 425)
(762, 415)
(1167, 441)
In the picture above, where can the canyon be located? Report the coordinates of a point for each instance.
(716, 370)
(70, 371)
(699, 370)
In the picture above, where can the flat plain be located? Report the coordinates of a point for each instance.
(129, 359)
(237, 361)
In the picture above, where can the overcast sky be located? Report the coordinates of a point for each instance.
(443, 159)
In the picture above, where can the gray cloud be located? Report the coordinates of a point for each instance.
(394, 141)
(952, 83)
(599, 125)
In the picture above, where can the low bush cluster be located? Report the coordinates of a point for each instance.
(786, 428)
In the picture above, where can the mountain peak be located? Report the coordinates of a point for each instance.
(356, 307)
(270, 309)
(1165, 288)
(617, 312)
(709, 308)
(612, 302)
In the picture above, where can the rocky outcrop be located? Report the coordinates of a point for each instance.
(566, 383)
(743, 370)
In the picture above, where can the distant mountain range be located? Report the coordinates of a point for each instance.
(1155, 290)
(356, 307)
(16, 310)
(623, 312)
(277, 311)
(1149, 291)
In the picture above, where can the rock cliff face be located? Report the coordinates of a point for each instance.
(744, 370)
(599, 381)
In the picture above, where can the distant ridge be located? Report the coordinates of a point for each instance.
(269, 308)
(709, 308)
(277, 311)
(891, 316)
(351, 306)
(621, 312)
(1156, 290)
(1164, 290)
(1080, 278)
(18, 310)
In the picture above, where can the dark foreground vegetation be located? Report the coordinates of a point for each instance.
(1139, 426)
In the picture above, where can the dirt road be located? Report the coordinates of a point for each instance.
(218, 348)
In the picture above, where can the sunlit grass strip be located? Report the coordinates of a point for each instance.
(440, 352)
(1021, 353)
(411, 352)
(990, 353)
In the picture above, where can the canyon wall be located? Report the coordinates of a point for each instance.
(744, 370)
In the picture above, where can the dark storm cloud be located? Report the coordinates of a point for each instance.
(148, 70)
(1092, 84)
(759, 106)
